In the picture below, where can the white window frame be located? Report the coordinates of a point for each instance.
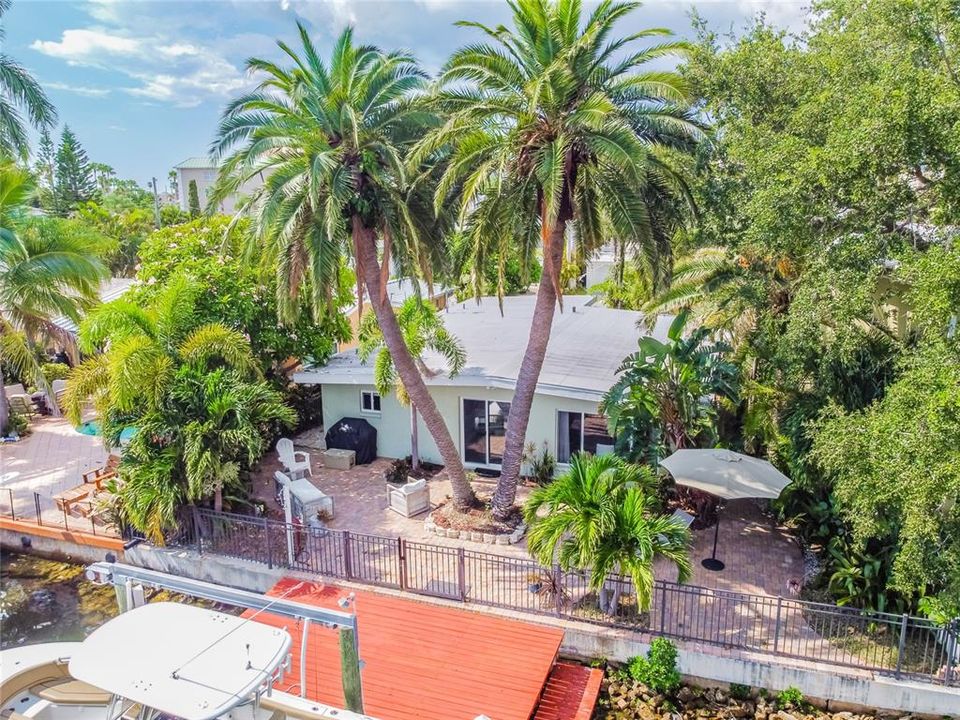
(374, 395)
(486, 445)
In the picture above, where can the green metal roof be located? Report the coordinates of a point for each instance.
(196, 163)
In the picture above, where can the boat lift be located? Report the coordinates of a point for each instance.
(129, 582)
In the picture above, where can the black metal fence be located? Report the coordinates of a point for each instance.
(83, 515)
(899, 645)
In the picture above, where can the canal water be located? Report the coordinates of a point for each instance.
(48, 600)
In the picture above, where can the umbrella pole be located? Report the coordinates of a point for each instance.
(711, 563)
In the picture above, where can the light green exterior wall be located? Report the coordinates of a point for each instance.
(393, 422)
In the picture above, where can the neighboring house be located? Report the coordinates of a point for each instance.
(586, 347)
(204, 171)
(600, 265)
(111, 289)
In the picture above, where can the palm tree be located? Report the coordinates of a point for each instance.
(19, 92)
(660, 393)
(194, 392)
(422, 330)
(600, 516)
(46, 271)
(331, 140)
(554, 124)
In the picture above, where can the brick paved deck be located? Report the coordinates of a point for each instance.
(50, 460)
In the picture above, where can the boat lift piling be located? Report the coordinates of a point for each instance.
(129, 583)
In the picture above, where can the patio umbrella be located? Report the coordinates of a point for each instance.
(726, 475)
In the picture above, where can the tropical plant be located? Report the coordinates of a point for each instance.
(601, 516)
(192, 390)
(48, 268)
(331, 140)
(658, 402)
(555, 123)
(422, 330)
(19, 91)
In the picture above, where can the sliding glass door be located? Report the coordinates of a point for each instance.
(484, 430)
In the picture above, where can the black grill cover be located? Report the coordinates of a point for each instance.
(354, 434)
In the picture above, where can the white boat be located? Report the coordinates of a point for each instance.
(158, 662)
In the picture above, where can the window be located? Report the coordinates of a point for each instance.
(581, 432)
(369, 401)
(484, 430)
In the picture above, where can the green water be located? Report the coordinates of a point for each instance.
(46, 600)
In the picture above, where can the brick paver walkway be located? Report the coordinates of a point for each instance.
(50, 460)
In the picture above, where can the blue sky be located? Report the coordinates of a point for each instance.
(142, 83)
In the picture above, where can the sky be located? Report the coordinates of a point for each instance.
(142, 83)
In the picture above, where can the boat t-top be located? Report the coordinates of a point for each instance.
(159, 661)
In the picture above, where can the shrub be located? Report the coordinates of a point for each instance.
(55, 371)
(789, 697)
(542, 464)
(398, 472)
(739, 692)
(658, 671)
(17, 424)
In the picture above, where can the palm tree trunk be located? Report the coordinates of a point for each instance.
(414, 439)
(529, 374)
(365, 250)
(4, 406)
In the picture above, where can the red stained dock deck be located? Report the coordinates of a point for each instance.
(421, 660)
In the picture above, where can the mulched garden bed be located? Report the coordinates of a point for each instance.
(478, 519)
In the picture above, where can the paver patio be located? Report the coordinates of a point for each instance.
(50, 460)
(761, 557)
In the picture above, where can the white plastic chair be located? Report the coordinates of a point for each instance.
(288, 456)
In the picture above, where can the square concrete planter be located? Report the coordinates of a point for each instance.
(339, 459)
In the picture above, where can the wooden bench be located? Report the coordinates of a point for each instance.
(68, 497)
(99, 475)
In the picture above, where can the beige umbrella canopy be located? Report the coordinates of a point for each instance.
(727, 475)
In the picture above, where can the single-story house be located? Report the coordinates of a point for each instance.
(587, 345)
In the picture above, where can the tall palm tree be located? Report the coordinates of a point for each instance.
(555, 123)
(331, 140)
(422, 330)
(19, 92)
(600, 516)
(45, 272)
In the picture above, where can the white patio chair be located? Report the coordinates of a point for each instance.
(684, 517)
(289, 458)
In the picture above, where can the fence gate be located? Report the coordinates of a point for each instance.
(434, 570)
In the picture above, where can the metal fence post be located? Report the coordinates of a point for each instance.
(903, 642)
(776, 627)
(348, 571)
(12, 514)
(558, 584)
(462, 574)
(266, 531)
(36, 505)
(197, 528)
(953, 636)
(402, 563)
(663, 605)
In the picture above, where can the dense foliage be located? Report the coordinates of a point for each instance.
(191, 389)
(667, 393)
(824, 253)
(236, 292)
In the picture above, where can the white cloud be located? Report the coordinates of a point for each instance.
(82, 46)
(171, 71)
(77, 89)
